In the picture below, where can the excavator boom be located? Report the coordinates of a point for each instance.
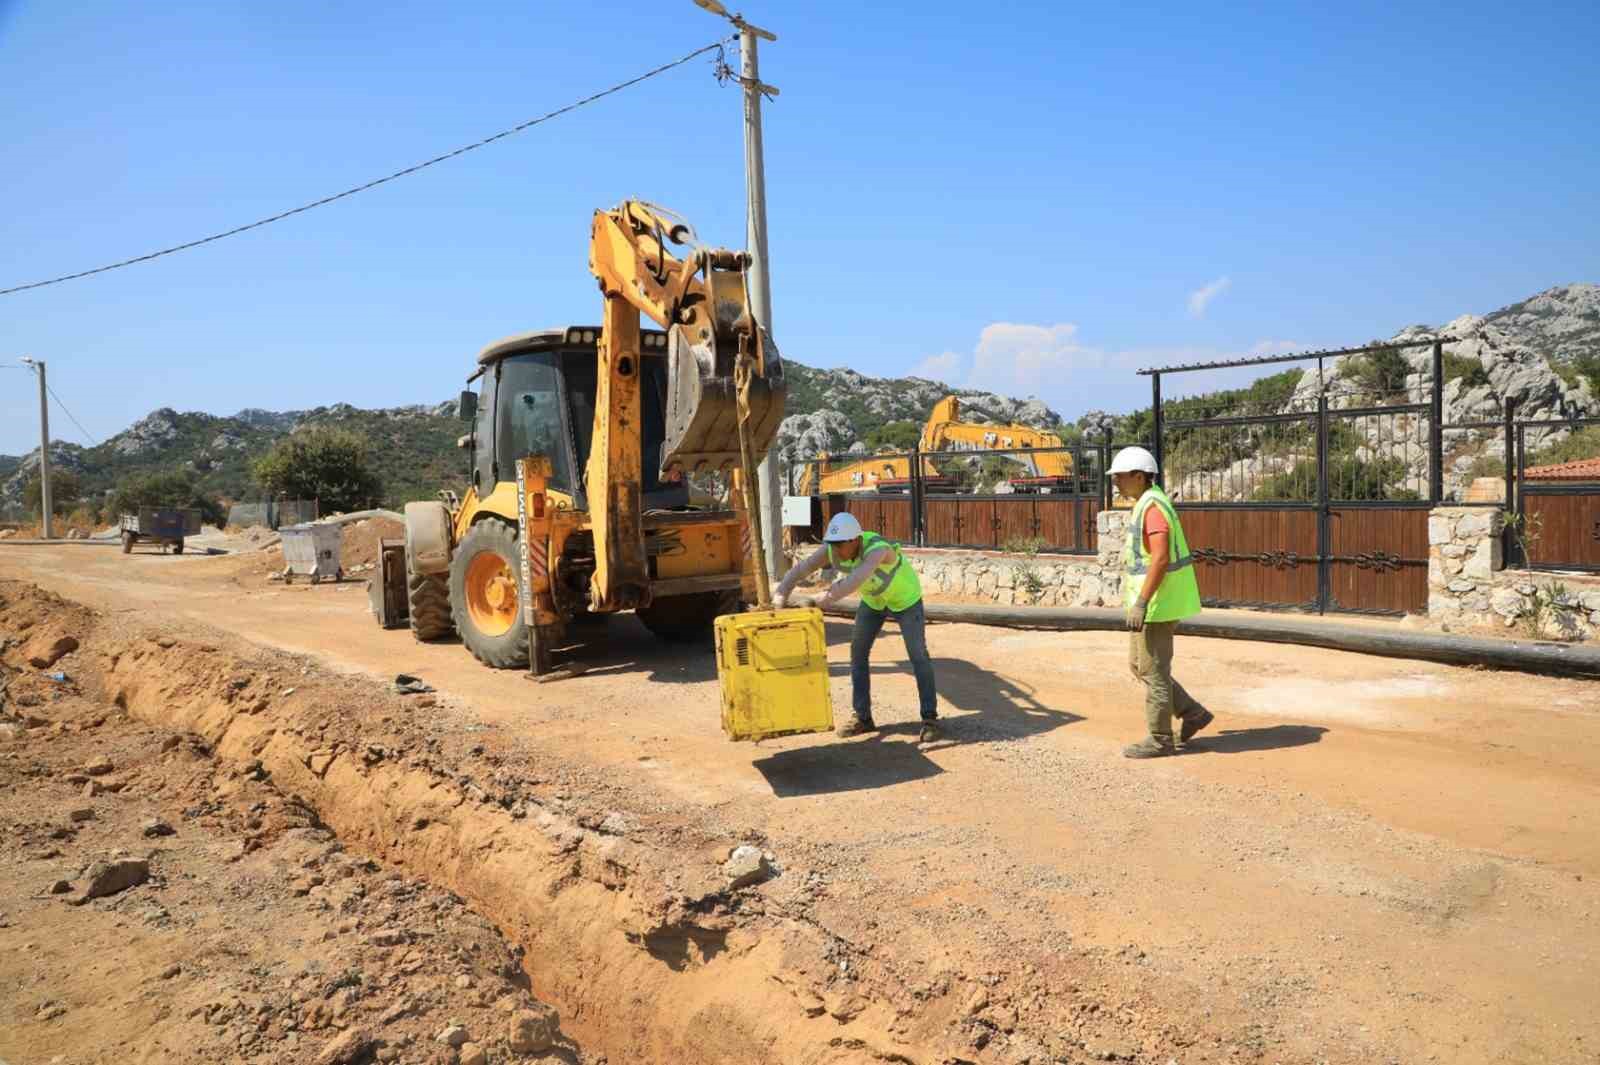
(725, 381)
(703, 301)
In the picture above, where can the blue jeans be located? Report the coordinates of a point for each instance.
(913, 627)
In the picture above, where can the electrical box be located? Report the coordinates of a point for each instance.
(773, 665)
(797, 510)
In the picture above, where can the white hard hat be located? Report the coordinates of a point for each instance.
(843, 527)
(1133, 460)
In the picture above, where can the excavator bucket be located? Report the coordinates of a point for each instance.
(703, 399)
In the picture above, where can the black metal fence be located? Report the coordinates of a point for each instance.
(1036, 499)
(273, 514)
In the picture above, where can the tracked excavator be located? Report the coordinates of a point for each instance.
(582, 443)
(1048, 471)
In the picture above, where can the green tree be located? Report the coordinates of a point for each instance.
(64, 492)
(897, 436)
(170, 488)
(329, 465)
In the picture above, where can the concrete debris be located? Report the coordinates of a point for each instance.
(745, 866)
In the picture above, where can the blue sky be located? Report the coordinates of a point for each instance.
(1030, 198)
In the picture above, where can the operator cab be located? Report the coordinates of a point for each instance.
(537, 396)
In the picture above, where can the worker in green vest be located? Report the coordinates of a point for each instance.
(1158, 591)
(888, 585)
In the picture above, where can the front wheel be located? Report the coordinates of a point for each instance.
(484, 596)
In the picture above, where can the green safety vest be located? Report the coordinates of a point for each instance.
(894, 587)
(1178, 596)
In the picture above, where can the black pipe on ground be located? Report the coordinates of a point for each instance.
(1525, 656)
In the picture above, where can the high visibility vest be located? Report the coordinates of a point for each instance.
(895, 586)
(1178, 596)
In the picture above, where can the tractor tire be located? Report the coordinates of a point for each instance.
(687, 618)
(428, 602)
(485, 598)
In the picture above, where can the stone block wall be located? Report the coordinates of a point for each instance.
(1467, 584)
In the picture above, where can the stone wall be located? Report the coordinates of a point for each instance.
(1467, 585)
(1038, 580)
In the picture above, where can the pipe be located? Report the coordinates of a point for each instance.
(1525, 656)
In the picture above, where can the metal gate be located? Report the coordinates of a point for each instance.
(1309, 505)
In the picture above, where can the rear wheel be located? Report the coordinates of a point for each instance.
(484, 596)
(687, 618)
(428, 603)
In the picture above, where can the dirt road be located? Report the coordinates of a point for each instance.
(1368, 860)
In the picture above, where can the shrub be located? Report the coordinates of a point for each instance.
(329, 465)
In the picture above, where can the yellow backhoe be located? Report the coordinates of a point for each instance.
(594, 431)
(945, 431)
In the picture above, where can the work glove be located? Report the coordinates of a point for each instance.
(1135, 615)
(780, 600)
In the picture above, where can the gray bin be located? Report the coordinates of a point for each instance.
(312, 550)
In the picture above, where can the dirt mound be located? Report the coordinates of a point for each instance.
(360, 544)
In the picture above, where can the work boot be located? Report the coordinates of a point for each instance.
(1147, 748)
(1194, 722)
(931, 732)
(855, 727)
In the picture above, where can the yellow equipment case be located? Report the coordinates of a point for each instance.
(773, 665)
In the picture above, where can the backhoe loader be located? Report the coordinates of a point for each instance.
(595, 430)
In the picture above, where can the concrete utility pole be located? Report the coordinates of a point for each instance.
(44, 447)
(770, 480)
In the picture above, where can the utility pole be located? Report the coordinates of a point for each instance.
(44, 448)
(770, 484)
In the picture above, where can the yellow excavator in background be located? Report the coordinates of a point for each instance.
(944, 432)
(603, 425)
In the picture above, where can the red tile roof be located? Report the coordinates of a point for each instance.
(1577, 470)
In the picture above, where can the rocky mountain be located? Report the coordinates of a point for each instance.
(413, 448)
(1543, 352)
(833, 410)
(837, 411)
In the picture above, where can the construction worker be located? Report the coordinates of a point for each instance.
(888, 585)
(1158, 590)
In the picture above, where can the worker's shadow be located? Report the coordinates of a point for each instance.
(1243, 740)
(996, 709)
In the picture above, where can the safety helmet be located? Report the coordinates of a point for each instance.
(842, 528)
(1133, 460)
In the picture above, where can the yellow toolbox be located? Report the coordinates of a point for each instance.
(773, 665)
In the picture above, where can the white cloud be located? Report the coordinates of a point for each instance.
(1201, 297)
(944, 367)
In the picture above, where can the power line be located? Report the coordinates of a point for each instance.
(86, 434)
(715, 46)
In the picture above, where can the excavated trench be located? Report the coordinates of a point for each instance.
(642, 944)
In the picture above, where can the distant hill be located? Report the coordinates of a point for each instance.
(1544, 350)
(414, 447)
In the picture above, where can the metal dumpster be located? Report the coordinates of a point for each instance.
(312, 550)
